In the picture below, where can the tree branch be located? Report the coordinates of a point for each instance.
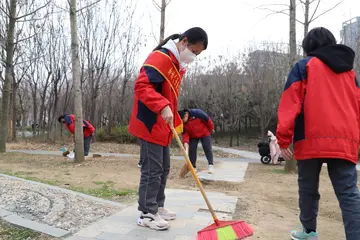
(273, 12)
(167, 3)
(31, 13)
(312, 16)
(5, 12)
(157, 6)
(330, 9)
(90, 5)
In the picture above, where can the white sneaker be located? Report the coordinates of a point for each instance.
(139, 165)
(165, 214)
(155, 222)
(211, 169)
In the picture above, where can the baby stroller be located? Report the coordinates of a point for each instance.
(264, 150)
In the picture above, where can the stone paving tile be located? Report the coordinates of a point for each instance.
(227, 172)
(185, 203)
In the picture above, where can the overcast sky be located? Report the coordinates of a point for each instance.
(233, 24)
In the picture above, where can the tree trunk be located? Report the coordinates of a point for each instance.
(238, 134)
(76, 74)
(162, 21)
(34, 96)
(231, 139)
(14, 112)
(8, 76)
(290, 166)
(292, 33)
(306, 21)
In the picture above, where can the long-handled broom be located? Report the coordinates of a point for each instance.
(67, 152)
(219, 230)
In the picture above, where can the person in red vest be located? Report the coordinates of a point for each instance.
(198, 126)
(154, 113)
(319, 111)
(69, 121)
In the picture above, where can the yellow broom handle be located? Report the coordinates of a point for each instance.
(194, 174)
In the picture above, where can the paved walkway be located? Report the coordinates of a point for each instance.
(244, 156)
(191, 217)
(226, 172)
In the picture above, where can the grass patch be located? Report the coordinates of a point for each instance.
(281, 171)
(104, 183)
(23, 175)
(106, 189)
(10, 232)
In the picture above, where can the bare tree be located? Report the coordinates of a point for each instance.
(290, 166)
(162, 9)
(306, 4)
(76, 75)
(11, 13)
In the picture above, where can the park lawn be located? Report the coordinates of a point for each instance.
(267, 198)
(104, 147)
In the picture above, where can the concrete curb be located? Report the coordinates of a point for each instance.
(67, 191)
(14, 219)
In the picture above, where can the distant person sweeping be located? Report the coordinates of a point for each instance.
(69, 121)
(154, 112)
(320, 110)
(198, 127)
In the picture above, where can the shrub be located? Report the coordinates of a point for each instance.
(118, 134)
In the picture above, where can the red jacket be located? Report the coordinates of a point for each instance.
(155, 88)
(319, 107)
(199, 125)
(70, 125)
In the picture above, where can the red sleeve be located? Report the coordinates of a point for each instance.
(71, 128)
(90, 127)
(185, 137)
(358, 96)
(70, 123)
(210, 125)
(291, 103)
(145, 89)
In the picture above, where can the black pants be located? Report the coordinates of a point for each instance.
(87, 143)
(154, 173)
(141, 154)
(343, 176)
(206, 144)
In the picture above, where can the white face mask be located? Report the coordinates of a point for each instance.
(186, 56)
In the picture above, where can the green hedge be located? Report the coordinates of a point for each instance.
(117, 134)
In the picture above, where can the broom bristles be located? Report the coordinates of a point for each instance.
(66, 153)
(226, 231)
(184, 170)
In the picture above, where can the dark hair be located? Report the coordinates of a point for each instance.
(182, 112)
(194, 35)
(317, 38)
(61, 117)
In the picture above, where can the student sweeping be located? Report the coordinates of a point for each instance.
(198, 126)
(69, 121)
(320, 110)
(154, 112)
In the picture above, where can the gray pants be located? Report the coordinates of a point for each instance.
(343, 176)
(206, 144)
(154, 173)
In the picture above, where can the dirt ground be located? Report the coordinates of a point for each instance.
(267, 198)
(103, 147)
